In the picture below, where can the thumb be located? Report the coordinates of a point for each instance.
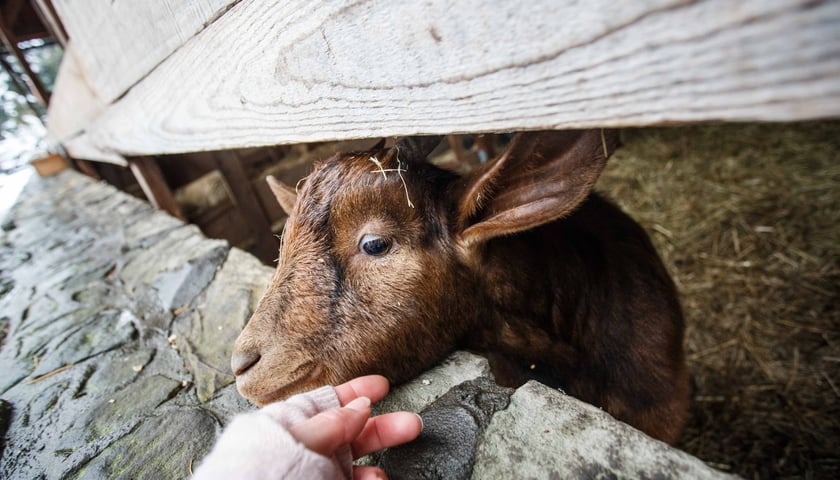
(327, 431)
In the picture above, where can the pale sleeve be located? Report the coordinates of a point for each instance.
(257, 445)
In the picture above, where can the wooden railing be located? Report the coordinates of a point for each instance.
(164, 76)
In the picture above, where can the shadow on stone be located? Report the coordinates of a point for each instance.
(5, 421)
(452, 428)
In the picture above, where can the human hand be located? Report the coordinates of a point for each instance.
(352, 425)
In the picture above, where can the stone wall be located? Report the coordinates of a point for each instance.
(117, 326)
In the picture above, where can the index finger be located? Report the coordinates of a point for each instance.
(374, 387)
(387, 430)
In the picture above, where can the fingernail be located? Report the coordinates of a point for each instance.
(361, 404)
(421, 421)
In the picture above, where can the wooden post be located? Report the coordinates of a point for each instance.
(46, 11)
(35, 86)
(151, 180)
(486, 143)
(88, 168)
(303, 71)
(457, 145)
(248, 205)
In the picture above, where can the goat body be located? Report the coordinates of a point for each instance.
(388, 264)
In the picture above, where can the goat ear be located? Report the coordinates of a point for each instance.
(540, 177)
(416, 149)
(285, 195)
(379, 145)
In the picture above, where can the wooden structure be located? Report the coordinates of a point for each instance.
(21, 21)
(142, 79)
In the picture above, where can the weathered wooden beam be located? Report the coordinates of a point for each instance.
(457, 146)
(248, 205)
(123, 41)
(10, 11)
(79, 146)
(88, 168)
(314, 71)
(75, 105)
(49, 17)
(151, 180)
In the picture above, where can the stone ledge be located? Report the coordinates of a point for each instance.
(120, 324)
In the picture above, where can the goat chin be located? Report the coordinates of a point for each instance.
(264, 389)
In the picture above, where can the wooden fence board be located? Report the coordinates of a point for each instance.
(80, 147)
(125, 39)
(75, 105)
(151, 180)
(313, 71)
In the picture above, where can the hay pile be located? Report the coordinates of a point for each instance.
(747, 219)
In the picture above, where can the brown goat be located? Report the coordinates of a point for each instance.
(388, 264)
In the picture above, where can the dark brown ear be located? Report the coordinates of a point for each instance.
(379, 145)
(540, 177)
(416, 149)
(286, 196)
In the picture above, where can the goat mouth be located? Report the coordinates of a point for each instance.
(304, 377)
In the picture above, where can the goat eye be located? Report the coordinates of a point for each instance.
(374, 245)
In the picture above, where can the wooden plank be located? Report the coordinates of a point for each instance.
(74, 105)
(80, 147)
(181, 170)
(248, 206)
(314, 71)
(88, 168)
(224, 221)
(151, 180)
(50, 164)
(122, 41)
(10, 11)
(23, 19)
(49, 17)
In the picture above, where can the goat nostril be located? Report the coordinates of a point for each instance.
(241, 362)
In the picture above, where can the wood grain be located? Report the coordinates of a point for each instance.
(74, 105)
(48, 15)
(313, 71)
(248, 205)
(80, 147)
(151, 180)
(122, 40)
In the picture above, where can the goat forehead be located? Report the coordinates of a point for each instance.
(350, 186)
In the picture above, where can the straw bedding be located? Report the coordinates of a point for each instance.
(747, 219)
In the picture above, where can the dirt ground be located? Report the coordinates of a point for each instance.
(747, 219)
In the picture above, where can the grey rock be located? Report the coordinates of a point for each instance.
(547, 434)
(426, 388)
(205, 333)
(112, 372)
(168, 275)
(163, 446)
(452, 427)
(95, 387)
(115, 337)
(226, 403)
(88, 338)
